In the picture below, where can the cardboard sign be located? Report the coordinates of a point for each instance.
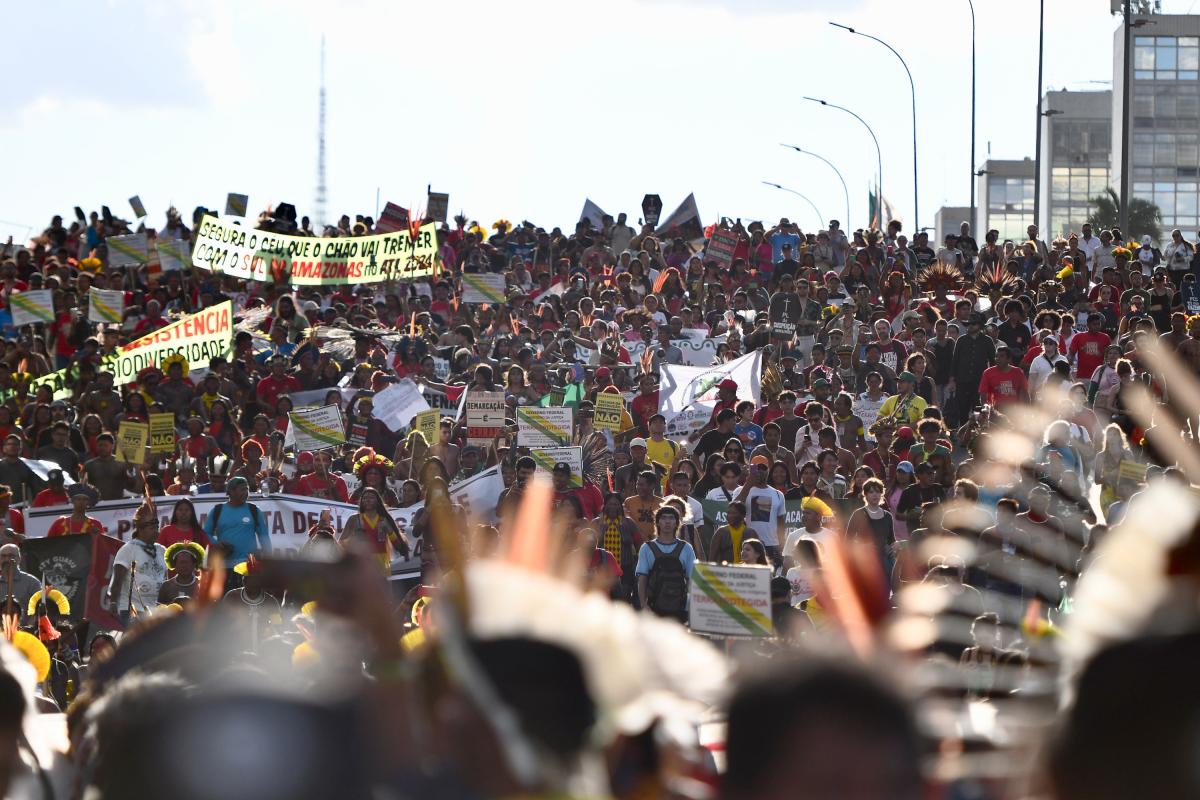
(428, 423)
(31, 306)
(162, 433)
(135, 203)
(128, 251)
(545, 427)
(485, 417)
(483, 288)
(132, 438)
(106, 305)
(235, 204)
(730, 600)
(318, 428)
(173, 254)
(651, 209)
(310, 261)
(607, 415)
(437, 206)
(394, 218)
(547, 457)
(721, 246)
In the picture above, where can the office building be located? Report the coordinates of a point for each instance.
(1164, 115)
(1005, 191)
(1076, 158)
(948, 219)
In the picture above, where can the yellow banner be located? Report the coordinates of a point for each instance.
(162, 433)
(309, 261)
(607, 414)
(131, 442)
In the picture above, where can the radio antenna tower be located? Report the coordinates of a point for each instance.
(319, 205)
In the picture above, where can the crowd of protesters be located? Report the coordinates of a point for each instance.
(890, 371)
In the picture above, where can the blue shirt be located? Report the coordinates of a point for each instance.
(240, 528)
(646, 557)
(749, 433)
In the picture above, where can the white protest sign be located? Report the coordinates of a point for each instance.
(867, 410)
(441, 368)
(317, 397)
(32, 306)
(482, 288)
(730, 600)
(106, 305)
(173, 254)
(547, 457)
(485, 417)
(398, 403)
(318, 428)
(128, 251)
(544, 427)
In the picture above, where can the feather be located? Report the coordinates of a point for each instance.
(251, 319)
(597, 460)
(941, 277)
(995, 278)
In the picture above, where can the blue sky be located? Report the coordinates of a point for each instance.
(519, 109)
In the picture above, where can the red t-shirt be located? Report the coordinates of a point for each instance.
(65, 526)
(329, 488)
(1090, 348)
(16, 520)
(1003, 388)
(173, 534)
(49, 497)
(644, 406)
(270, 387)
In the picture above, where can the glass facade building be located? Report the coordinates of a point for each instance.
(1077, 154)
(1005, 190)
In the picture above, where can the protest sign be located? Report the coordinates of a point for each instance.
(131, 440)
(547, 457)
(311, 261)
(106, 305)
(33, 306)
(318, 428)
(478, 495)
(651, 209)
(437, 206)
(316, 397)
(690, 420)
(681, 387)
(730, 600)
(393, 218)
(398, 403)
(721, 246)
(449, 403)
(198, 337)
(428, 423)
(483, 288)
(1132, 471)
(236, 204)
(544, 427)
(42, 469)
(867, 410)
(135, 203)
(173, 254)
(162, 433)
(485, 417)
(441, 368)
(607, 415)
(128, 251)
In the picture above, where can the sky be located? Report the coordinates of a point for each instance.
(521, 110)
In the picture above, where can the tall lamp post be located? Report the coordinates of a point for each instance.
(913, 88)
(820, 216)
(878, 156)
(971, 4)
(836, 172)
(1037, 147)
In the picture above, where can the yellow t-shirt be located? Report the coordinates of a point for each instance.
(662, 453)
(912, 410)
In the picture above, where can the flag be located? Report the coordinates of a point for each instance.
(592, 214)
(681, 386)
(889, 211)
(684, 222)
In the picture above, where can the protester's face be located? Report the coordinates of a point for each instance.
(239, 493)
(667, 523)
(12, 448)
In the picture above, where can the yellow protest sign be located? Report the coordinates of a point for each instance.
(311, 261)
(608, 408)
(162, 433)
(131, 441)
(428, 422)
(198, 337)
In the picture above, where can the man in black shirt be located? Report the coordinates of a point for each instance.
(714, 440)
(973, 353)
(1013, 331)
(922, 492)
(16, 473)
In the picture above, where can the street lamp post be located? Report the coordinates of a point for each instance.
(913, 88)
(878, 157)
(1037, 147)
(820, 216)
(835, 171)
(971, 4)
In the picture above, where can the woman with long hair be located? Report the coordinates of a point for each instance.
(924, 387)
(221, 427)
(711, 478)
(184, 526)
(735, 451)
(780, 477)
(1114, 448)
(373, 526)
(754, 552)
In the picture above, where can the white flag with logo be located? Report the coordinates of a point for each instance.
(683, 388)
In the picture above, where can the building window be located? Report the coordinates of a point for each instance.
(1178, 202)
(1072, 190)
(1166, 58)
(1010, 206)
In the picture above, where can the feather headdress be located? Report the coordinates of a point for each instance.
(996, 279)
(939, 277)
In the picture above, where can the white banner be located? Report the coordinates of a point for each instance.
(316, 397)
(696, 352)
(398, 403)
(483, 288)
(547, 457)
(681, 387)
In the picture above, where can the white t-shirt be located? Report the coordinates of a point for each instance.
(718, 494)
(149, 564)
(765, 508)
(1040, 370)
(821, 537)
(1089, 248)
(800, 579)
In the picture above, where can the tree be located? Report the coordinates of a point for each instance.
(1144, 216)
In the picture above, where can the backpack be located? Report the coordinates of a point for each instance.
(666, 590)
(216, 515)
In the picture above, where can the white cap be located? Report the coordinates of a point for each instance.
(638, 442)
(1146, 239)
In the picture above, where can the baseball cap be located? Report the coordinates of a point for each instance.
(305, 459)
(638, 442)
(563, 467)
(728, 383)
(907, 376)
(761, 459)
(905, 466)
(603, 372)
